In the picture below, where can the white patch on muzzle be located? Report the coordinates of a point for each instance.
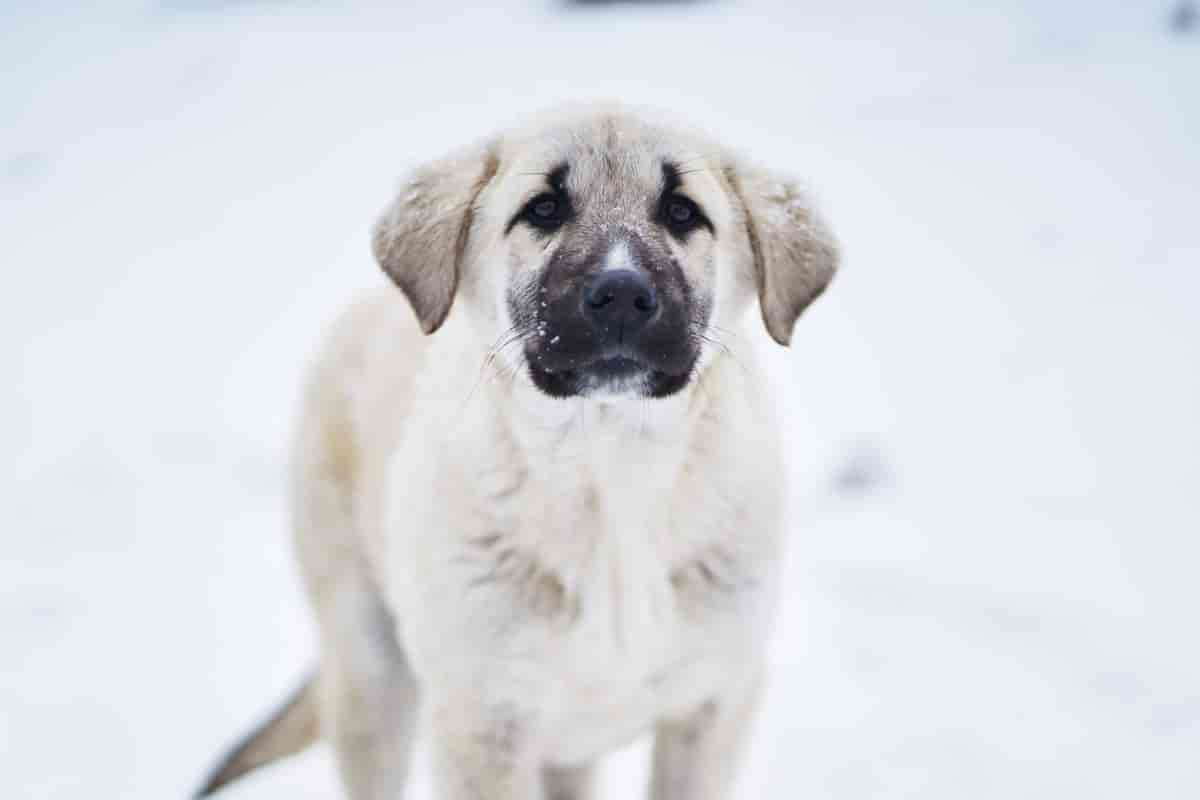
(619, 257)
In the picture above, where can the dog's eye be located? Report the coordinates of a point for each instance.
(681, 212)
(681, 215)
(545, 211)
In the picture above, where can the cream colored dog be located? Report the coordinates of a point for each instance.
(553, 523)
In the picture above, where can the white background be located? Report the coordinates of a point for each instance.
(992, 590)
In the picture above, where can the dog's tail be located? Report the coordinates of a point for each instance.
(291, 728)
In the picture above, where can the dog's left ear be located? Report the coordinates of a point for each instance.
(422, 236)
(794, 252)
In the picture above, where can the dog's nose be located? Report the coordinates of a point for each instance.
(619, 300)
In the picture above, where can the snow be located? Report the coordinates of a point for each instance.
(992, 583)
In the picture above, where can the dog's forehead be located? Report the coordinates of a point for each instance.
(611, 159)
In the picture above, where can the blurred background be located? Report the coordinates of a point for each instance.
(992, 589)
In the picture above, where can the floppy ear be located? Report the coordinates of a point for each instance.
(794, 252)
(421, 237)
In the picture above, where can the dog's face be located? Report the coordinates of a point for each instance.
(609, 253)
(602, 250)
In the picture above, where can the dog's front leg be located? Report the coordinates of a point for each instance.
(483, 752)
(570, 783)
(695, 757)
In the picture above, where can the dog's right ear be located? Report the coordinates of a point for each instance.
(421, 237)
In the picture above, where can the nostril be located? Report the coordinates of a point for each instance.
(645, 303)
(599, 299)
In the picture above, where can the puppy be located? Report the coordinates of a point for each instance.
(552, 522)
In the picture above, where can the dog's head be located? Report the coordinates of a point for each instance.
(604, 250)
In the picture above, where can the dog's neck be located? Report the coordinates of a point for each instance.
(622, 459)
(617, 439)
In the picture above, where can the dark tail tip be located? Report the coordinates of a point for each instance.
(291, 728)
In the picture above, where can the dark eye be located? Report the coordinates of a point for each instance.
(681, 212)
(545, 211)
(681, 215)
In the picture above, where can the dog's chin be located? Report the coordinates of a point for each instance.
(610, 376)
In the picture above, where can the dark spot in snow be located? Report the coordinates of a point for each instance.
(863, 470)
(1184, 18)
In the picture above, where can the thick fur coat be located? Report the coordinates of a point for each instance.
(528, 536)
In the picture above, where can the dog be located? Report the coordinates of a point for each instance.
(538, 508)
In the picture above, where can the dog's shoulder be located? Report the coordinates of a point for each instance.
(359, 388)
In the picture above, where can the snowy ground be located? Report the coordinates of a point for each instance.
(993, 586)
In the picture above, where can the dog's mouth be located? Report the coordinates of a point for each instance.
(610, 374)
(616, 368)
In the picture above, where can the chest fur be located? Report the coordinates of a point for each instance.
(606, 576)
(638, 582)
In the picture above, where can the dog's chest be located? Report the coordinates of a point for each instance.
(599, 584)
(603, 697)
(635, 641)
(630, 655)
